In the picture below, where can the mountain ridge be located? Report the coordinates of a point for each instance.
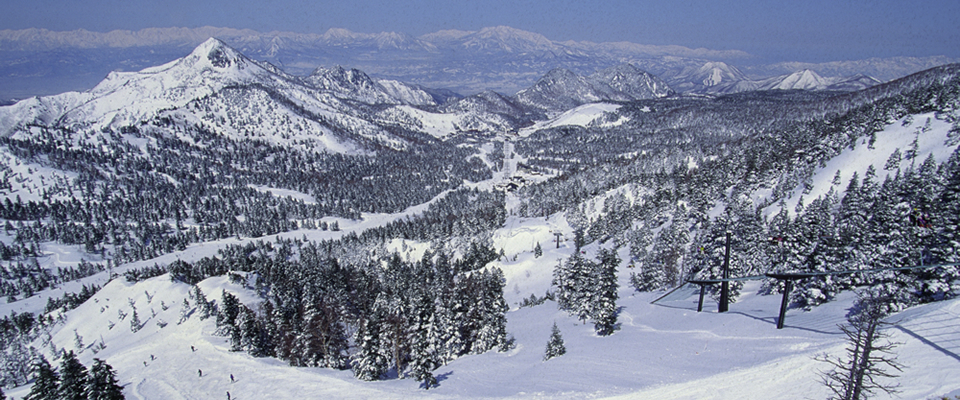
(500, 58)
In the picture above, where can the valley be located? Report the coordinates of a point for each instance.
(337, 235)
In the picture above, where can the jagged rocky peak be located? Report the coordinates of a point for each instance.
(562, 89)
(633, 82)
(487, 101)
(340, 77)
(560, 76)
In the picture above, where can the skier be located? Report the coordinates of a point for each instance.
(200, 373)
(228, 395)
(231, 378)
(192, 348)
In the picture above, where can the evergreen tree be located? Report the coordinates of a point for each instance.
(491, 310)
(204, 306)
(946, 223)
(102, 384)
(555, 347)
(185, 310)
(820, 251)
(227, 313)
(73, 378)
(370, 361)
(135, 323)
(46, 382)
(893, 162)
(537, 251)
(661, 268)
(422, 353)
(575, 281)
(605, 302)
(323, 341)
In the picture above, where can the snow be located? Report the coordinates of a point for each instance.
(661, 351)
(585, 115)
(305, 198)
(439, 126)
(898, 135)
(28, 180)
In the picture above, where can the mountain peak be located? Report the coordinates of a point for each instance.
(561, 89)
(217, 53)
(507, 39)
(338, 33)
(803, 79)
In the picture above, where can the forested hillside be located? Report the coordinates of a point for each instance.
(801, 181)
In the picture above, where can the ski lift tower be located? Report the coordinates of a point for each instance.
(559, 236)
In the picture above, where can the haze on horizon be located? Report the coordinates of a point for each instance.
(771, 31)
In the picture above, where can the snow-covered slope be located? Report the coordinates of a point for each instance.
(663, 351)
(928, 132)
(595, 114)
(222, 90)
(710, 74)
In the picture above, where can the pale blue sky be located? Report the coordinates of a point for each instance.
(780, 30)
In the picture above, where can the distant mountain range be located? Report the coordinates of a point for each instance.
(503, 59)
(341, 110)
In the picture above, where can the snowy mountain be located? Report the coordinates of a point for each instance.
(708, 75)
(506, 39)
(220, 88)
(718, 79)
(561, 90)
(39, 62)
(217, 225)
(355, 85)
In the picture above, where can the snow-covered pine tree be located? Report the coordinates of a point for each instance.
(73, 378)
(893, 162)
(46, 384)
(555, 347)
(185, 311)
(946, 224)
(852, 216)
(445, 335)
(820, 252)
(323, 341)
(605, 297)
(135, 323)
(537, 251)
(246, 333)
(492, 311)
(947, 217)
(661, 266)
(574, 281)
(77, 341)
(423, 356)
(204, 306)
(227, 313)
(102, 384)
(370, 361)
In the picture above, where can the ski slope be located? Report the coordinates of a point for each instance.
(660, 351)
